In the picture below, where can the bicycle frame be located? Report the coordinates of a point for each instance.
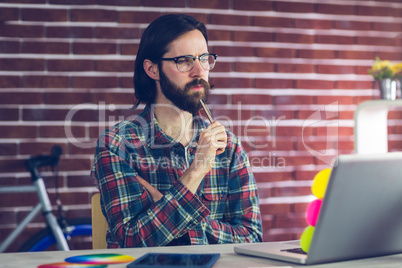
(44, 205)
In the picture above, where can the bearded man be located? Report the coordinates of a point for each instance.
(166, 176)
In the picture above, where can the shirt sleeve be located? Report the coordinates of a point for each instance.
(134, 219)
(241, 220)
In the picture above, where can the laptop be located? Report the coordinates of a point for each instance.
(360, 217)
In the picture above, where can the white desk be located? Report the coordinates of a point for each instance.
(228, 258)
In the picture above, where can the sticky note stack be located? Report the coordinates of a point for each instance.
(318, 188)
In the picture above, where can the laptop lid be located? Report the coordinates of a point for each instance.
(360, 215)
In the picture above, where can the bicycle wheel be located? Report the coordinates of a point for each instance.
(78, 235)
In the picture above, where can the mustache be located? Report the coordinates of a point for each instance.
(196, 82)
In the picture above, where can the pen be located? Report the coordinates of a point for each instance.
(204, 106)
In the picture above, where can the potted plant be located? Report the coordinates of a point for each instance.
(383, 72)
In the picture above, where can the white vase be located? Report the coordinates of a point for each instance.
(400, 86)
(387, 89)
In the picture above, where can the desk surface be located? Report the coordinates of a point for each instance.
(228, 257)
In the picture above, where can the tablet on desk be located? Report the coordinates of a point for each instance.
(174, 260)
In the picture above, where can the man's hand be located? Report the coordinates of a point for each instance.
(155, 194)
(211, 143)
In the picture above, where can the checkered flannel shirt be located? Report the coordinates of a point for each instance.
(225, 209)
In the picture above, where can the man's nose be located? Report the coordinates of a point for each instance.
(197, 70)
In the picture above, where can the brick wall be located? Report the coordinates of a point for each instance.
(287, 82)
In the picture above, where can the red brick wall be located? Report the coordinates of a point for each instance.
(289, 76)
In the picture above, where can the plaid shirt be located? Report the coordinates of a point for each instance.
(225, 208)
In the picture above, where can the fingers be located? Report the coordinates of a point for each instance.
(215, 135)
(153, 192)
(221, 150)
(212, 142)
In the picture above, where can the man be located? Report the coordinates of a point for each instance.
(167, 177)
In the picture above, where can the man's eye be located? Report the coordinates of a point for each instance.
(184, 60)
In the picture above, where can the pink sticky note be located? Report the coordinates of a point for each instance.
(312, 211)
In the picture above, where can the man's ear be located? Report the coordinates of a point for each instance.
(151, 69)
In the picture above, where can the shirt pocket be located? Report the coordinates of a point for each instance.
(211, 196)
(214, 195)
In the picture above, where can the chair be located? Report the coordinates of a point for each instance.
(99, 224)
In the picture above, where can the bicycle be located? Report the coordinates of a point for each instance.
(60, 232)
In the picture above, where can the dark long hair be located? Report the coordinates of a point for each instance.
(154, 44)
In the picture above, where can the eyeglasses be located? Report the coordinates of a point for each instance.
(186, 63)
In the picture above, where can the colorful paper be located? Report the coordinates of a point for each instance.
(320, 183)
(306, 238)
(71, 265)
(318, 189)
(108, 258)
(312, 212)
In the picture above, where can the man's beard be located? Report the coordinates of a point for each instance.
(182, 98)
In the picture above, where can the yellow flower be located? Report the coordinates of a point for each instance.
(397, 70)
(381, 69)
(381, 64)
